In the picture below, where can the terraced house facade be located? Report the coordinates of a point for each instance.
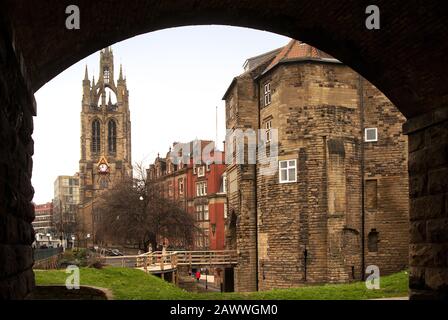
(338, 201)
(199, 189)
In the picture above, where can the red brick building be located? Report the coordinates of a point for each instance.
(43, 222)
(199, 188)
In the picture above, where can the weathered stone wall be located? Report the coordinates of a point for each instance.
(428, 177)
(387, 209)
(241, 107)
(317, 110)
(314, 107)
(17, 107)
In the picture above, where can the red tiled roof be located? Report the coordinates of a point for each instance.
(297, 50)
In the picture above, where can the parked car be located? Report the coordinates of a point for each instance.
(116, 252)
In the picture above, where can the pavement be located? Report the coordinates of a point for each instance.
(393, 298)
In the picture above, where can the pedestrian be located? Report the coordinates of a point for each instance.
(198, 275)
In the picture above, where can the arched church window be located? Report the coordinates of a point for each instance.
(112, 136)
(96, 137)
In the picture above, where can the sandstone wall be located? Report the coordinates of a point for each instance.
(17, 108)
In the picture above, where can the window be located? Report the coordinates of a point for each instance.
(206, 238)
(202, 238)
(268, 126)
(371, 134)
(202, 213)
(201, 171)
(194, 169)
(96, 137)
(206, 212)
(208, 166)
(225, 210)
(170, 189)
(267, 93)
(112, 136)
(106, 75)
(287, 171)
(181, 186)
(224, 183)
(201, 188)
(373, 241)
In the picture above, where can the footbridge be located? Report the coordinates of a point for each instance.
(161, 262)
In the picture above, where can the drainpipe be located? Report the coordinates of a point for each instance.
(361, 105)
(257, 94)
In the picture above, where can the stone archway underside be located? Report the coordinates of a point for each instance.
(407, 59)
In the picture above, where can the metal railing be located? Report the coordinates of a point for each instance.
(162, 261)
(47, 258)
(42, 254)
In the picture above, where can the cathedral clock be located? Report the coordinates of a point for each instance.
(103, 166)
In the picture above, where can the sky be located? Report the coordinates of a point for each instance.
(176, 79)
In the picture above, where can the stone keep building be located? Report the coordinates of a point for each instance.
(105, 137)
(338, 201)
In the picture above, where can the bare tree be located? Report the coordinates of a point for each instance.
(136, 212)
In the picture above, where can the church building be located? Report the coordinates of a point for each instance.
(105, 140)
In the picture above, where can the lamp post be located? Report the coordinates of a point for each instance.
(206, 278)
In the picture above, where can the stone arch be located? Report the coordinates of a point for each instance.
(405, 59)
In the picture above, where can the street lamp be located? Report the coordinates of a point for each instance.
(206, 279)
(87, 238)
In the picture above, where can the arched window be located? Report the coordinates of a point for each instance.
(106, 75)
(372, 243)
(96, 137)
(112, 136)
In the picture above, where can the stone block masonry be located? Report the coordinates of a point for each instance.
(428, 174)
(17, 108)
(345, 205)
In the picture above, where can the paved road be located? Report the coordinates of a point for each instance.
(210, 286)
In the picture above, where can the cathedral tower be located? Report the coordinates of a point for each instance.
(105, 135)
